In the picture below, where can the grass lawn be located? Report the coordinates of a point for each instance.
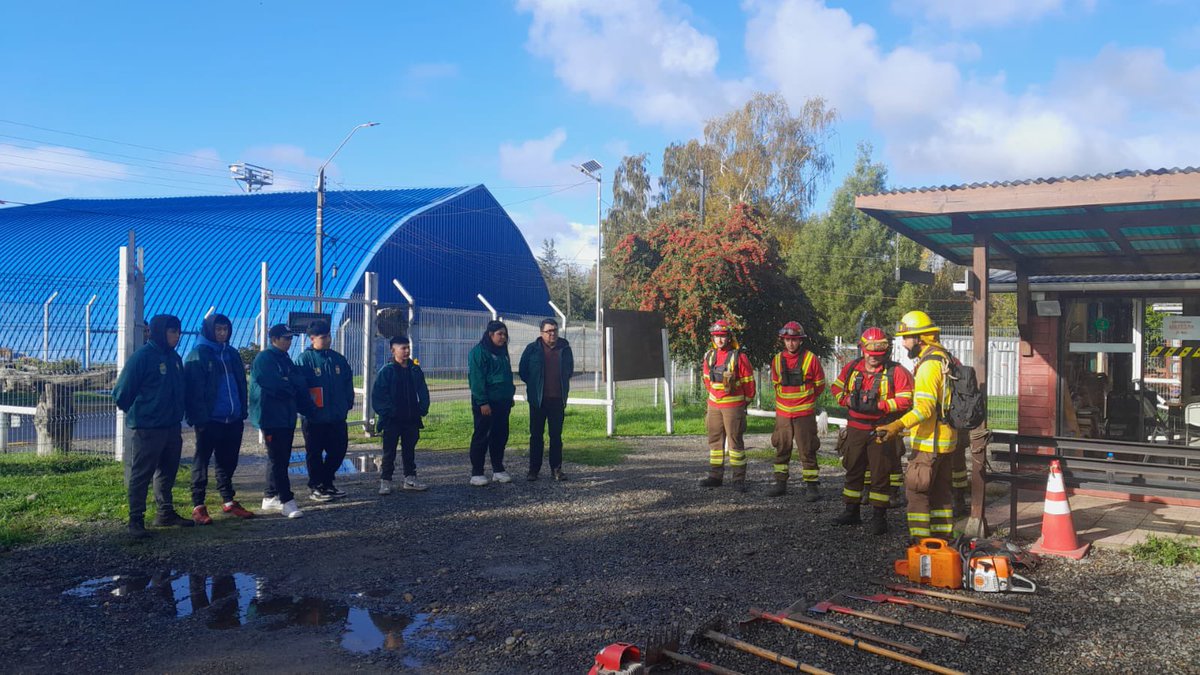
(42, 497)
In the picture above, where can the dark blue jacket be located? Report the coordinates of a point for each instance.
(151, 387)
(278, 391)
(216, 379)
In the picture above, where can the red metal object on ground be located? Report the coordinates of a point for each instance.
(619, 658)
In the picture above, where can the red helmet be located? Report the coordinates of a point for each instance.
(874, 342)
(792, 329)
(720, 327)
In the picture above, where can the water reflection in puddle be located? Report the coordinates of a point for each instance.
(235, 600)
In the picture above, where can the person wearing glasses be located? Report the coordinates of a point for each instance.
(278, 391)
(546, 368)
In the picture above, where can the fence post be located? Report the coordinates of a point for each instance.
(46, 326)
(87, 333)
(4, 432)
(610, 391)
(263, 317)
(129, 303)
(668, 383)
(371, 295)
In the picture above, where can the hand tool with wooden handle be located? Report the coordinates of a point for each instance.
(823, 607)
(706, 631)
(857, 644)
(881, 597)
(957, 598)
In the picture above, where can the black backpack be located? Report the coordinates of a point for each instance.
(966, 401)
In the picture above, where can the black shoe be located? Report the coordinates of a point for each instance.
(531, 476)
(811, 492)
(849, 516)
(711, 482)
(139, 532)
(334, 492)
(319, 495)
(559, 475)
(879, 521)
(779, 489)
(172, 519)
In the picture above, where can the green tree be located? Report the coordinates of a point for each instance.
(696, 273)
(845, 260)
(630, 210)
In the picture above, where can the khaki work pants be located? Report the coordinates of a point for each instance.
(722, 423)
(863, 455)
(802, 432)
(930, 510)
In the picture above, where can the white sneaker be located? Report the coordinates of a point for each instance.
(385, 487)
(479, 481)
(271, 504)
(411, 483)
(291, 510)
(502, 477)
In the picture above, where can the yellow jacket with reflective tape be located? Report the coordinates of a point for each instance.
(929, 389)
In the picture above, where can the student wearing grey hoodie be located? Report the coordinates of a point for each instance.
(216, 407)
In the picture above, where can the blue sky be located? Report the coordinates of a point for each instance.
(157, 98)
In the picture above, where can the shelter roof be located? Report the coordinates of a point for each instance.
(1129, 222)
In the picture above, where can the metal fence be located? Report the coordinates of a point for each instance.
(54, 396)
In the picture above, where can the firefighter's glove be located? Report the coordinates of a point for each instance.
(889, 431)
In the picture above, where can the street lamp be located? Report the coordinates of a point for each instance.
(591, 169)
(317, 286)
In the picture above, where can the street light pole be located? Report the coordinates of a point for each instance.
(591, 169)
(319, 276)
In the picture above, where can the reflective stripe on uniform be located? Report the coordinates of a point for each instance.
(958, 479)
(737, 458)
(852, 494)
(878, 497)
(895, 479)
(942, 513)
(780, 468)
(716, 456)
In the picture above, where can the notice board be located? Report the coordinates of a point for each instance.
(637, 344)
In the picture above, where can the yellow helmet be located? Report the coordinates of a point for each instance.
(915, 322)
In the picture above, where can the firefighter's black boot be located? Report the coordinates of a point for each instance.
(879, 521)
(739, 478)
(716, 475)
(849, 515)
(811, 491)
(961, 507)
(779, 488)
(897, 500)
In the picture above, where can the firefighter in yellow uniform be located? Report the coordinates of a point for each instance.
(799, 379)
(928, 479)
(729, 380)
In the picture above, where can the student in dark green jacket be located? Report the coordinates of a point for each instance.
(151, 392)
(217, 407)
(326, 437)
(546, 367)
(278, 391)
(400, 398)
(489, 372)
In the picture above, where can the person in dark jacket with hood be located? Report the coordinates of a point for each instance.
(489, 372)
(278, 391)
(400, 398)
(546, 367)
(217, 409)
(150, 390)
(326, 435)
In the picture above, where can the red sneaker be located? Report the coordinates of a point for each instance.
(200, 515)
(237, 510)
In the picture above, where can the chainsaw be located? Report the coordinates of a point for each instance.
(989, 566)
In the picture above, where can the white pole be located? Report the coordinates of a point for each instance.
(371, 295)
(128, 317)
(409, 299)
(487, 304)
(46, 326)
(263, 326)
(562, 317)
(342, 336)
(610, 388)
(210, 311)
(599, 255)
(668, 384)
(87, 333)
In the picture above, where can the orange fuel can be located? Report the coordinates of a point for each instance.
(932, 562)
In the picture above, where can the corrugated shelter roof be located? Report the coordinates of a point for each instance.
(1129, 222)
(443, 244)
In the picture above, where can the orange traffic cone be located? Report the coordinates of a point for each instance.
(1058, 528)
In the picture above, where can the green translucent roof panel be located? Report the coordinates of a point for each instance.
(991, 215)
(1156, 206)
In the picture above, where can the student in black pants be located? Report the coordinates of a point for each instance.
(400, 398)
(277, 391)
(331, 388)
(151, 392)
(547, 365)
(490, 376)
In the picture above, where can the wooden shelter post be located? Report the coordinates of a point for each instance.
(977, 524)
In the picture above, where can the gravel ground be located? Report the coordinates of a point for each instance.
(536, 577)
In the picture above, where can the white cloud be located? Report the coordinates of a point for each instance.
(575, 242)
(420, 78)
(643, 55)
(961, 15)
(532, 162)
(56, 169)
(1125, 108)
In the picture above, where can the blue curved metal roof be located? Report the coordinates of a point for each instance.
(443, 244)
